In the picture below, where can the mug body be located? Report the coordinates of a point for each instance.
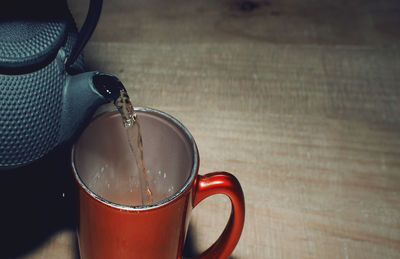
(106, 231)
(112, 222)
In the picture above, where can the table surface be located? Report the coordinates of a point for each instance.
(300, 100)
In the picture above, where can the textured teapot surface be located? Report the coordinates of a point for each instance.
(33, 48)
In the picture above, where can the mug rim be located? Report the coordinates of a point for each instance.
(155, 205)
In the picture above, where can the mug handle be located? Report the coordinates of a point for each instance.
(222, 183)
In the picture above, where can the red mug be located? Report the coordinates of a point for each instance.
(109, 226)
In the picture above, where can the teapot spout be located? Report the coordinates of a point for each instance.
(108, 86)
(82, 96)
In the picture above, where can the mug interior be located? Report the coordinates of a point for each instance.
(105, 166)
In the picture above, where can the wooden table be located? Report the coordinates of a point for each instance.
(300, 100)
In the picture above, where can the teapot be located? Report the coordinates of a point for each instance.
(46, 95)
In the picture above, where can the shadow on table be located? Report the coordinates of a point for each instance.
(36, 202)
(189, 249)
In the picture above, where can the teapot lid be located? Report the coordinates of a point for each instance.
(31, 33)
(26, 44)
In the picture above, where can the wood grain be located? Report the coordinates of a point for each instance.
(299, 99)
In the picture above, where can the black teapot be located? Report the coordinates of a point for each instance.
(46, 96)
